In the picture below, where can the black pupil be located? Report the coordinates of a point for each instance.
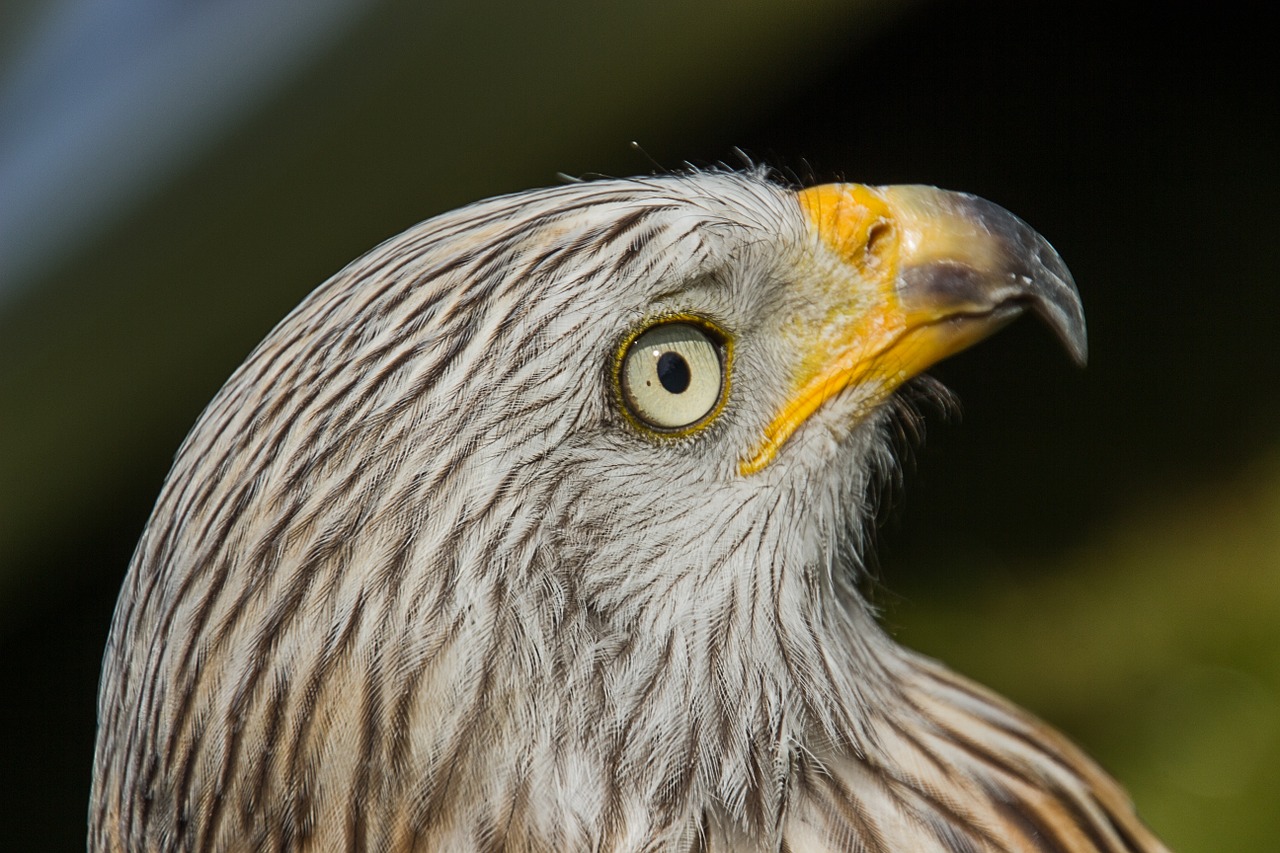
(673, 372)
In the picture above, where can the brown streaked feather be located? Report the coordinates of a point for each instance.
(976, 774)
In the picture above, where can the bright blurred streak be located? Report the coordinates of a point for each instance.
(106, 100)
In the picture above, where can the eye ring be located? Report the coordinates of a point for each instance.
(672, 375)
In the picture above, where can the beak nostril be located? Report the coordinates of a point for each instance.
(879, 238)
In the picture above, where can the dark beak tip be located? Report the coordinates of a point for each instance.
(1049, 286)
(1057, 301)
(1038, 277)
(1078, 347)
(1054, 300)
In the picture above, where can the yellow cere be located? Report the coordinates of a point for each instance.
(851, 274)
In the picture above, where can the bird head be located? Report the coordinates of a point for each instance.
(579, 474)
(642, 379)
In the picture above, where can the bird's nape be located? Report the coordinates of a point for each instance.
(538, 528)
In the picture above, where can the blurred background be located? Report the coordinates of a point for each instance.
(1101, 545)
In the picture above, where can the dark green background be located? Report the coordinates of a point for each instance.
(1103, 546)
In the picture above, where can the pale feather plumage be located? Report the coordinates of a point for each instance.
(415, 584)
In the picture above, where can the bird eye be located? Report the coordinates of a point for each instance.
(673, 375)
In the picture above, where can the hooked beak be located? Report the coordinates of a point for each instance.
(902, 278)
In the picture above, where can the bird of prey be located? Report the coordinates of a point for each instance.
(540, 527)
